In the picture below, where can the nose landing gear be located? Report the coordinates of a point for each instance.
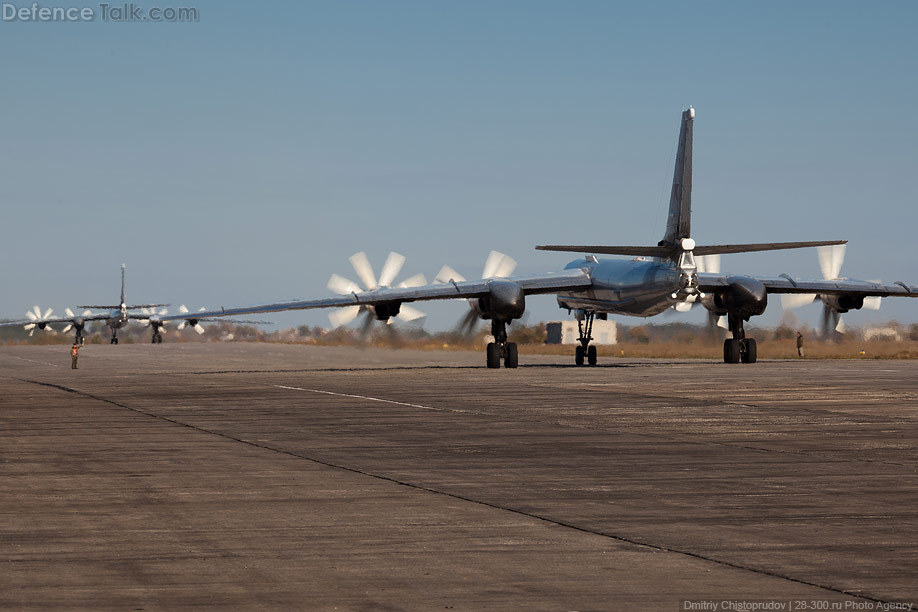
(500, 348)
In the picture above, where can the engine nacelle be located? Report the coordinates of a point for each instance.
(843, 303)
(743, 297)
(386, 310)
(505, 301)
(710, 302)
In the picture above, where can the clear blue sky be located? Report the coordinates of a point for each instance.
(244, 157)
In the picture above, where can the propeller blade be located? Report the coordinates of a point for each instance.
(491, 264)
(199, 328)
(831, 259)
(343, 286)
(182, 325)
(789, 301)
(48, 313)
(506, 268)
(447, 274)
(418, 280)
(343, 316)
(409, 313)
(365, 327)
(707, 263)
(840, 326)
(364, 270)
(67, 328)
(163, 312)
(68, 312)
(467, 323)
(391, 268)
(722, 322)
(872, 302)
(87, 313)
(830, 321)
(498, 265)
(683, 306)
(35, 313)
(28, 326)
(182, 309)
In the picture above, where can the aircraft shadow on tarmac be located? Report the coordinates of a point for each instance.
(536, 366)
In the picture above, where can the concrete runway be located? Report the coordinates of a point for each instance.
(235, 475)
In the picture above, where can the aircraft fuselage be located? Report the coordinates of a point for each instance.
(117, 318)
(637, 287)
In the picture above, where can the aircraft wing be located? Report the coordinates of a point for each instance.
(531, 284)
(40, 322)
(843, 286)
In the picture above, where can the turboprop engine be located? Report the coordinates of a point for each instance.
(843, 303)
(505, 301)
(743, 296)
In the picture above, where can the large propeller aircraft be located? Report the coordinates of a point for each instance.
(655, 279)
(115, 317)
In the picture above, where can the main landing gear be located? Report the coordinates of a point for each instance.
(585, 327)
(500, 348)
(739, 347)
(157, 336)
(114, 336)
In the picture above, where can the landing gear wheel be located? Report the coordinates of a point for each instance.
(749, 354)
(114, 339)
(591, 355)
(731, 351)
(512, 359)
(493, 355)
(578, 355)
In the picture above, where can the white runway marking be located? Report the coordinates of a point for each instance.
(53, 365)
(368, 398)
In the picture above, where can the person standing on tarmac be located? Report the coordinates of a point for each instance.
(799, 344)
(74, 355)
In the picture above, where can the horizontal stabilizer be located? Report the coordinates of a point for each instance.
(646, 251)
(761, 246)
(668, 251)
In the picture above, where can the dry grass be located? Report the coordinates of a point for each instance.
(767, 349)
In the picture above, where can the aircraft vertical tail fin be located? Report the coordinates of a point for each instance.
(679, 221)
(122, 283)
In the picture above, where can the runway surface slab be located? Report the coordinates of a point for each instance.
(258, 475)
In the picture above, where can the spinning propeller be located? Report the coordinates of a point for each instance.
(497, 265)
(831, 259)
(38, 320)
(152, 316)
(369, 282)
(195, 323)
(75, 321)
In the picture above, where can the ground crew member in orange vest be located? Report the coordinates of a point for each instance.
(74, 354)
